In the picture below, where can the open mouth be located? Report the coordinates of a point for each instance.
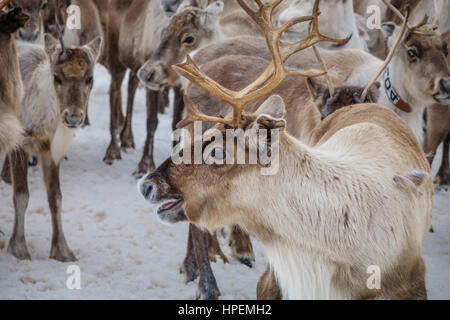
(171, 205)
(439, 97)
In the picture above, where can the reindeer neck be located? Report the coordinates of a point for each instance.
(393, 90)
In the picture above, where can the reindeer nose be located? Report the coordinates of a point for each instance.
(150, 76)
(73, 121)
(444, 85)
(28, 35)
(146, 189)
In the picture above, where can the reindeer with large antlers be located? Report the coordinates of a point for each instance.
(333, 217)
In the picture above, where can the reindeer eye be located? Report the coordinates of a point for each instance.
(57, 79)
(412, 53)
(189, 40)
(218, 154)
(44, 5)
(90, 81)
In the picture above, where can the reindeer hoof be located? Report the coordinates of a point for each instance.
(112, 154)
(6, 174)
(62, 253)
(189, 270)
(18, 248)
(143, 168)
(208, 292)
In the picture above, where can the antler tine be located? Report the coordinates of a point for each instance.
(59, 27)
(194, 114)
(274, 73)
(421, 24)
(4, 4)
(288, 49)
(402, 17)
(389, 57)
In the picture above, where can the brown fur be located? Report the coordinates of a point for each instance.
(11, 87)
(438, 128)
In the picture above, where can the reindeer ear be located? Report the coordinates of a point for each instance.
(94, 46)
(388, 29)
(215, 8)
(271, 113)
(51, 44)
(169, 7)
(317, 88)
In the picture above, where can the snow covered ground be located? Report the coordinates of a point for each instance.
(123, 251)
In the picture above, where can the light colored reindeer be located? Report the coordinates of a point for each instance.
(57, 81)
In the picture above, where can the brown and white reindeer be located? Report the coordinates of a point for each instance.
(437, 121)
(11, 87)
(57, 82)
(332, 214)
(131, 23)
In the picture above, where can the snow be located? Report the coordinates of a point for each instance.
(123, 251)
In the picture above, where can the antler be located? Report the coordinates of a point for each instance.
(389, 57)
(59, 27)
(4, 4)
(413, 29)
(274, 73)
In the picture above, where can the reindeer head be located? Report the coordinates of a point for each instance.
(73, 70)
(342, 96)
(187, 31)
(421, 62)
(191, 191)
(35, 10)
(11, 22)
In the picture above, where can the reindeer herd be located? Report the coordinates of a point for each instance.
(356, 116)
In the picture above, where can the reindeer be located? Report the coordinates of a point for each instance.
(11, 87)
(57, 81)
(311, 257)
(131, 22)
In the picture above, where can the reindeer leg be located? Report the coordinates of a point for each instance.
(60, 250)
(189, 267)
(443, 176)
(6, 171)
(241, 246)
(178, 108)
(147, 164)
(267, 288)
(115, 98)
(126, 136)
(19, 172)
(214, 248)
(164, 100)
(207, 286)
